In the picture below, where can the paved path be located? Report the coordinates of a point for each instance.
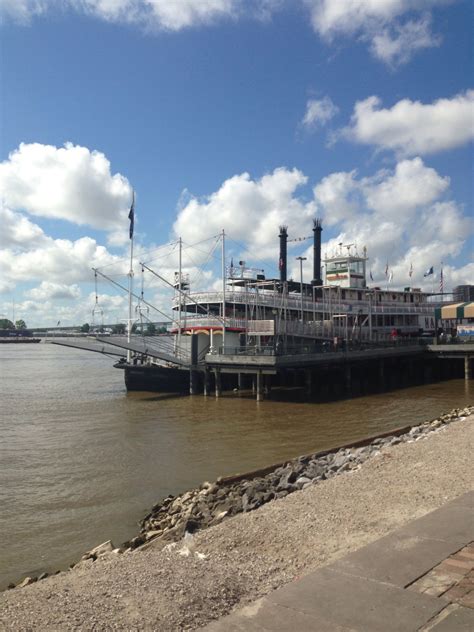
(419, 578)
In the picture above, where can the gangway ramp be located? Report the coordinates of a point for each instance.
(89, 345)
(159, 347)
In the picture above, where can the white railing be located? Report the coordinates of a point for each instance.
(213, 321)
(268, 298)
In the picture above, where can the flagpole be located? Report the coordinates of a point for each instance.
(223, 291)
(441, 282)
(180, 245)
(130, 279)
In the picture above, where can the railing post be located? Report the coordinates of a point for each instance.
(259, 387)
(467, 367)
(218, 382)
(206, 382)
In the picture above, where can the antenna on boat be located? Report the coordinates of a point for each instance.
(142, 309)
(97, 309)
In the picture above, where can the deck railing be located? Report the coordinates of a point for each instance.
(320, 347)
(270, 299)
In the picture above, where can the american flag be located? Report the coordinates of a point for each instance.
(441, 280)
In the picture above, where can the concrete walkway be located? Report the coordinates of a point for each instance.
(418, 578)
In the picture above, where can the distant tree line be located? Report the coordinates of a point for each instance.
(7, 324)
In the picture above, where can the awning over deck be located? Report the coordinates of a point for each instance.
(455, 310)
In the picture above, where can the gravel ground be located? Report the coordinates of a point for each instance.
(251, 554)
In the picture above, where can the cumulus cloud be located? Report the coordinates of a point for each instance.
(338, 193)
(48, 291)
(70, 183)
(318, 113)
(379, 23)
(411, 127)
(18, 231)
(58, 261)
(403, 215)
(250, 210)
(400, 215)
(46, 312)
(411, 185)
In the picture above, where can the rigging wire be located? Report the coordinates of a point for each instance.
(97, 309)
(200, 268)
(265, 263)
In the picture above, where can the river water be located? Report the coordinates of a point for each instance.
(81, 460)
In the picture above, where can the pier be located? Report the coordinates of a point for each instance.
(352, 369)
(321, 369)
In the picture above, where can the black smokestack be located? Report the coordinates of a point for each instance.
(317, 230)
(283, 256)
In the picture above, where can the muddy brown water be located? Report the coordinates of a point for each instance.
(81, 460)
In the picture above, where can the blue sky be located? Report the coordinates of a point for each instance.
(236, 115)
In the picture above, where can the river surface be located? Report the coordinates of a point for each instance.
(81, 460)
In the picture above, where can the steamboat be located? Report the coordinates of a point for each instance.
(255, 315)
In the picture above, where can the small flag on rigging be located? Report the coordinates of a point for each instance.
(371, 277)
(386, 269)
(410, 272)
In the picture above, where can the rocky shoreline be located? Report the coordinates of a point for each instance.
(187, 584)
(212, 503)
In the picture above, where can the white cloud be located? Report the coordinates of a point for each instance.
(22, 11)
(50, 291)
(399, 215)
(458, 276)
(44, 313)
(163, 14)
(18, 231)
(338, 193)
(396, 46)
(410, 127)
(403, 216)
(57, 261)
(318, 113)
(169, 15)
(378, 22)
(412, 185)
(249, 210)
(70, 183)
